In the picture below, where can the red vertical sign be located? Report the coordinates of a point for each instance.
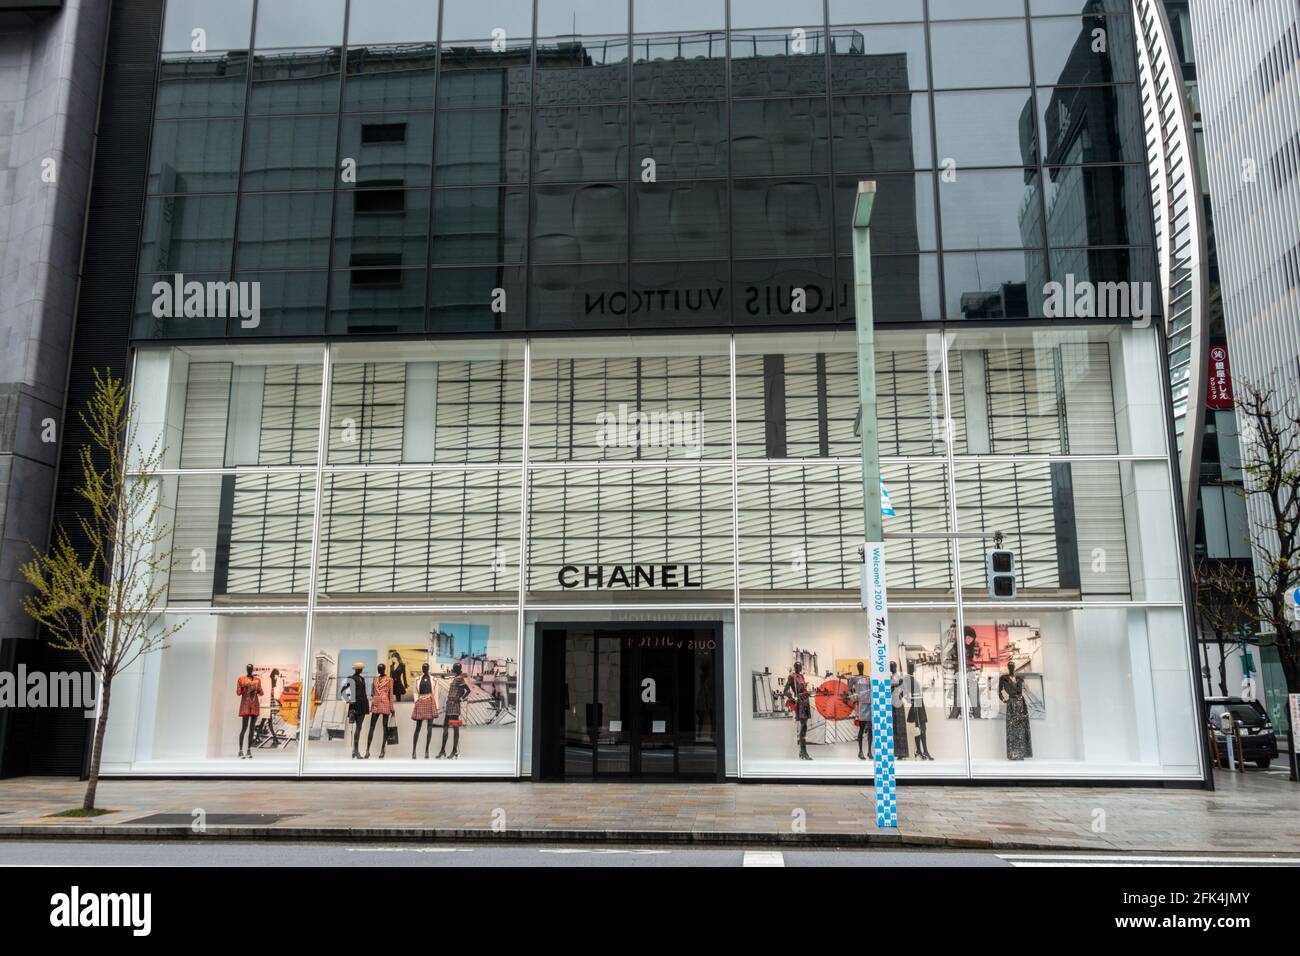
(1218, 390)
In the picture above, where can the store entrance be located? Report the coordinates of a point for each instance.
(629, 702)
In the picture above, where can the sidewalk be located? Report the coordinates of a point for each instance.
(1252, 813)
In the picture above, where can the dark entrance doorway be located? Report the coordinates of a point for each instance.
(629, 702)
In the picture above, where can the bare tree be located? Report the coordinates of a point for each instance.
(1270, 429)
(100, 599)
(1226, 608)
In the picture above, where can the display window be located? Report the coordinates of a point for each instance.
(1080, 692)
(223, 696)
(429, 694)
(806, 699)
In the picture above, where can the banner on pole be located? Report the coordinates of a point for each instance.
(875, 602)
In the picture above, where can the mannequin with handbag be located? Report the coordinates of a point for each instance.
(457, 691)
(916, 714)
(426, 709)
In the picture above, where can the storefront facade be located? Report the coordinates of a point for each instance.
(550, 387)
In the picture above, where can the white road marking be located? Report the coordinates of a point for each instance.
(1050, 859)
(604, 850)
(764, 858)
(410, 849)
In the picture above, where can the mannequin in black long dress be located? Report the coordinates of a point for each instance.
(897, 700)
(1011, 691)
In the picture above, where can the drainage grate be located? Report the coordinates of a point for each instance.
(212, 819)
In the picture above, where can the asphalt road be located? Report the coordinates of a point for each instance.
(213, 853)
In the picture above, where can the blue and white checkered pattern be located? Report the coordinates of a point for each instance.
(882, 744)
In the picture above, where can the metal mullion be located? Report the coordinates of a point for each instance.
(735, 570)
(322, 444)
(433, 170)
(934, 168)
(522, 601)
(243, 154)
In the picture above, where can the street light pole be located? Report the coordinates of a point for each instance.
(874, 599)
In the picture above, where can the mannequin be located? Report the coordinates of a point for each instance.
(426, 708)
(897, 698)
(1011, 691)
(797, 699)
(916, 716)
(359, 706)
(970, 647)
(860, 698)
(456, 692)
(397, 671)
(381, 705)
(249, 691)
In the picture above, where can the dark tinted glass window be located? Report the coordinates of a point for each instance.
(1074, 50)
(1098, 206)
(683, 67)
(577, 18)
(870, 133)
(775, 137)
(200, 156)
(990, 209)
(284, 230)
(577, 144)
(963, 9)
(902, 219)
(776, 13)
(681, 220)
(477, 19)
(393, 21)
(985, 128)
(477, 75)
(188, 234)
(687, 294)
(224, 25)
(769, 292)
(485, 224)
(993, 285)
(878, 59)
(155, 291)
(1092, 124)
(782, 217)
(191, 86)
(481, 146)
(290, 152)
(396, 147)
(296, 81)
(586, 70)
(287, 23)
(685, 140)
(903, 288)
(678, 16)
(391, 77)
(377, 301)
(875, 11)
(580, 223)
(980, 54)
(1110, 265)
(292, 303)
(461, 299)
(579, 297)
(777, 63)
(381, 226)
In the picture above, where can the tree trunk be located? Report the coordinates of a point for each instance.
(97, 751)
(1223, 664)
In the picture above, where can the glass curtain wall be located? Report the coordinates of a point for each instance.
(406, 505)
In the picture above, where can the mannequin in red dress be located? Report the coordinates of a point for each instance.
(249, 691)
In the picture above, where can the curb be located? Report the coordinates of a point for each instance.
(485, 835)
